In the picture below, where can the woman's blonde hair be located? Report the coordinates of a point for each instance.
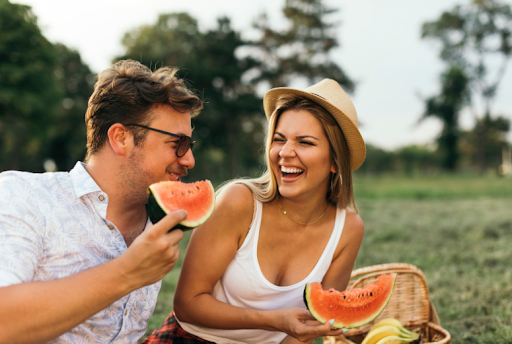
(340, 191)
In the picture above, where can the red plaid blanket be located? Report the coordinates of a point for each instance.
(172, 333)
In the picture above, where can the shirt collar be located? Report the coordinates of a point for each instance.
(82, 180)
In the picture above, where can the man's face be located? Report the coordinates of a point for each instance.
(155, 160)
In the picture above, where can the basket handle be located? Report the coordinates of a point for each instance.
(383, 268)
(420, 275)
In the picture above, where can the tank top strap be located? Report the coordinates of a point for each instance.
(255, 224)
(339, 224)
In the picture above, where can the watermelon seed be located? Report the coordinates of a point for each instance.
(197, 187)
(371, 294)
(344, 296)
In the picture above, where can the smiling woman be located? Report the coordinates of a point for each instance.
(270, 236)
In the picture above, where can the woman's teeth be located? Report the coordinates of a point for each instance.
(291, 170)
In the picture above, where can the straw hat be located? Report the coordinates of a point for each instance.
(329, 94)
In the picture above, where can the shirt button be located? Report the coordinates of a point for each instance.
(125, 312)
(111, 227)
(101, 197)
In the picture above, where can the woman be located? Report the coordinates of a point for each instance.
(245, 269)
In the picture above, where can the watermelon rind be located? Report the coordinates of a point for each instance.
(337, 325)
(156, 210)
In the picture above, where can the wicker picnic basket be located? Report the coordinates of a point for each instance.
(410, 303)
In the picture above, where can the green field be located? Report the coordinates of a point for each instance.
(457, 230)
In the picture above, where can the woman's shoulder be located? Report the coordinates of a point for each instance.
(236, 199)
(354, 225)
(231, 217)
(352, 234)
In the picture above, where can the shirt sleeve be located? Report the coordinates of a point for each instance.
(21, 229)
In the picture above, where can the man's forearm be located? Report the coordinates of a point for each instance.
(37, 312)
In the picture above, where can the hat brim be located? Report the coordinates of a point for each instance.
(352, 135)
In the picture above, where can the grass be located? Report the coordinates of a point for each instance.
(463, 248)
(457, 230)
(435, 187)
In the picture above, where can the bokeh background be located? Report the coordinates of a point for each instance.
(430, 80)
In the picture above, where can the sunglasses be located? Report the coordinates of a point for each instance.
(184, 143)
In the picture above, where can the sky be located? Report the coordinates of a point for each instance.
(380, 48)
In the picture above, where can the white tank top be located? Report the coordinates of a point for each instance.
(244, 285)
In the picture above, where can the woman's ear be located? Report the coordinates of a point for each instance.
(120, 139)
(333, 169)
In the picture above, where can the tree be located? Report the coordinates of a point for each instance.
(470, 36)
(405, 160)
(377, 161)
(493, 132)
(76, 82)
(29, 96)
(446, 106)
(229, 130)
(302, 50)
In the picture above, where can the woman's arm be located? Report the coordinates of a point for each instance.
(339, 272)
(212, 247)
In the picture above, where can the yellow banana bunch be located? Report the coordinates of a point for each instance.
(389, 331)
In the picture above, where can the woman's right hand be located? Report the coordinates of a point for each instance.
(301, 325)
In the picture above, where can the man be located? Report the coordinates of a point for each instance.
(79, 260)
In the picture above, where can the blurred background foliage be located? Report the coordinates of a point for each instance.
(44, 87)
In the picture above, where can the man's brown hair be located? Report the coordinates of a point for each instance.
(126, 92)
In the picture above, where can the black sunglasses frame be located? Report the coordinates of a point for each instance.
(184, 143)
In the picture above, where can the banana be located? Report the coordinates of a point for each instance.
(377, 334)
(391, 328)
(390, 322)
(391, 340)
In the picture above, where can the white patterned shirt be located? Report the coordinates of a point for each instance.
(54, 225)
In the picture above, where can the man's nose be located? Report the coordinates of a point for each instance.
(187, 160)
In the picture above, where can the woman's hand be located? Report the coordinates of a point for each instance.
(301, 325)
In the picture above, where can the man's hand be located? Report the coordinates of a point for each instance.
(155, 252)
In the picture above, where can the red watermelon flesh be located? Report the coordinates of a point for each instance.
(350, 308)
(198, 199)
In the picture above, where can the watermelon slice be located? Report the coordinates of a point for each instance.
(198, 199)
(350, 308)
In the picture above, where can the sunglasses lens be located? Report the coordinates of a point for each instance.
(183, 146)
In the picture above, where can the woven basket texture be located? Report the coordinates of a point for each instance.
(410, 303)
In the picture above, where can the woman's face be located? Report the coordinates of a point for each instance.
(300, 156)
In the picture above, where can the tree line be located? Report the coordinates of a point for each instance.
(44, 87)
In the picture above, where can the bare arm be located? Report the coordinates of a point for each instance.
(211, 249)
(219, 237)
(37, 312)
